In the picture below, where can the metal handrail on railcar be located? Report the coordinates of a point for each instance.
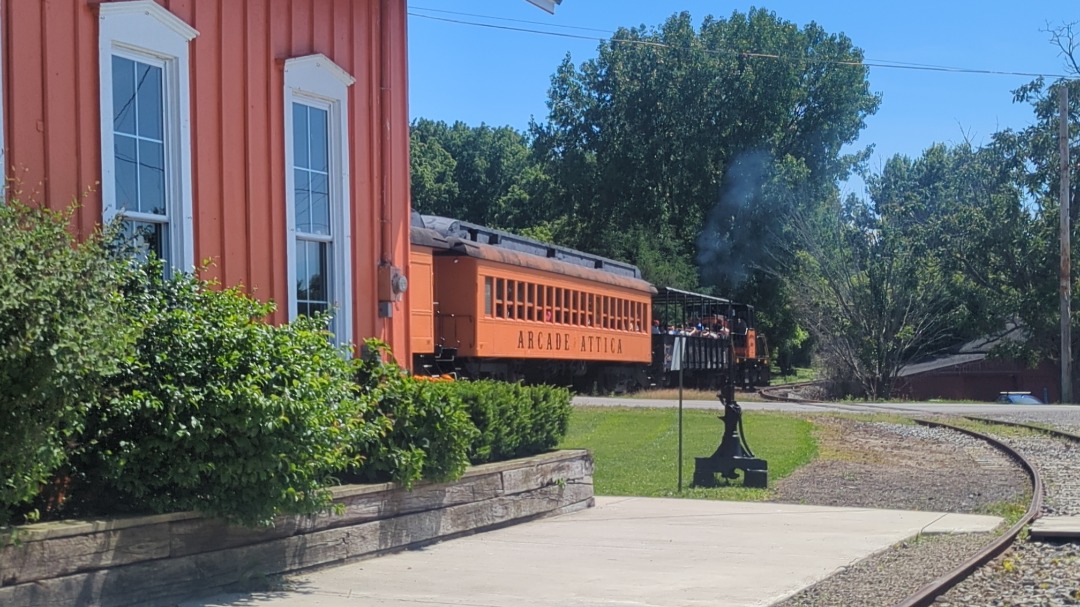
(721, 338)
(701, 353)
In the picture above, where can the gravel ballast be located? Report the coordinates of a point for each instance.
(891, 465)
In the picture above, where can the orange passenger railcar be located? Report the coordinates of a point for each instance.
(512, 314)
(496, 303)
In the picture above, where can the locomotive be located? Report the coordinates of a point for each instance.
(486, 303)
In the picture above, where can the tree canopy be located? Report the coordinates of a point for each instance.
(710, 156)
(486, 175)
(672, 129)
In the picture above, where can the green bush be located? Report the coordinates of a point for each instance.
(430, 431)
(514, 420)
(220, 412)
(59, 339)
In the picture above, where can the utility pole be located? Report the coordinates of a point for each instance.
(1065, 273)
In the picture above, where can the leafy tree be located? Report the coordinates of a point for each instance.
(674, 131)
(482, 174)
(1033, 155)
(873, 304)
(964, 208)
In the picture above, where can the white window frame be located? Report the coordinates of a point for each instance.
(317, 81)
(144, 31)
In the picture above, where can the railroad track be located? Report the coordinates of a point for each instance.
(927, 594)
(786, 392)
(930, 592)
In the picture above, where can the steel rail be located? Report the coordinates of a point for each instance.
(928, 593)
(1051, 431)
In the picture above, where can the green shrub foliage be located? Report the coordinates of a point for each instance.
(59, 338)
(514, 420)
(429, 430)
(221, 412)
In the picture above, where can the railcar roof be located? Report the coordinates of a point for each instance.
(555, 266)
(466, 231)
(428, 238)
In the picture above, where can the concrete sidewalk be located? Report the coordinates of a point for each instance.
(625, 551)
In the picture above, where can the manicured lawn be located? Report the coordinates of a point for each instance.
(635, 450)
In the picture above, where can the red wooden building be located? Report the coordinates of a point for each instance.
(268, 137)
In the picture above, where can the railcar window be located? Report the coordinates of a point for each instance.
(606, 311)
(566, 305)
(530, 302)
(549, 304)
(590, 310)
(574, 308)
(511, 309)
(538, 300)
(622, 314)
(487, 295)
(500, 291)
(521, 289)
(558, 306)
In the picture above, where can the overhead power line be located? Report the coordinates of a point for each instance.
(493, 18)
(900, 65)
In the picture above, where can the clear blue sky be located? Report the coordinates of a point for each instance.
(500, 77)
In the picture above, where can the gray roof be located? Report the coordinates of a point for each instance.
(463, 230)
(973, 351)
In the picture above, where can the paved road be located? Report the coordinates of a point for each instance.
(947, 408)
(644, 552)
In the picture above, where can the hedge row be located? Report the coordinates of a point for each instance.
(438, 428)
(122, 391)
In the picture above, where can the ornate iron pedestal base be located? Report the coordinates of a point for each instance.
(755, 471)
(732, 454)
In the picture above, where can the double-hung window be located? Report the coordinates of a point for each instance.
(145, 128)
(311, 191)
(317, 191)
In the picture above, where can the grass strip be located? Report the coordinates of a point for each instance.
(635, 449)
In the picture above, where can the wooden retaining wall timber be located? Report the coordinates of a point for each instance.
(158, 560)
